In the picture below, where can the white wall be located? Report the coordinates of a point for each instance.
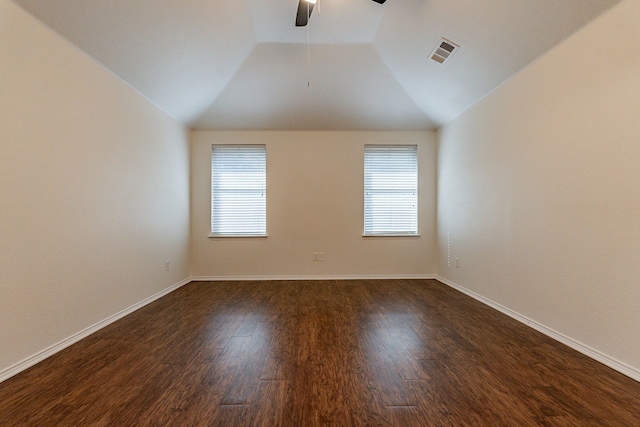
(93, 197)
(314, 204)
(539, 192)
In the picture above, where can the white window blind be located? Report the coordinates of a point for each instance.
(238, 190)
(390, 190)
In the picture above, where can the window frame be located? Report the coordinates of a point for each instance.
(371, 150)
(234, 233)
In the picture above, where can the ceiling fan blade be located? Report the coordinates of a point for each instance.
(380, 1)
(304, 13)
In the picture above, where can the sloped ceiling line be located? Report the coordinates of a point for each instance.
(219, 64)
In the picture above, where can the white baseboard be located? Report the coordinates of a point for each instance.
(55, 348)
(609, 361)
(294, 278)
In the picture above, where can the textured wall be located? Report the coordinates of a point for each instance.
(539, 190)
(94, 195)
(314, 204)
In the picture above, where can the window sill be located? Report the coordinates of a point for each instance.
(237, 236)
(390, 235)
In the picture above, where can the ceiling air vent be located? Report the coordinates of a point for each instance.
(444, 51)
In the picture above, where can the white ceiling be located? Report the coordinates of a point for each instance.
(242, 64)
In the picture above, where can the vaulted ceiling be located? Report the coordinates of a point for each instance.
(242, 64)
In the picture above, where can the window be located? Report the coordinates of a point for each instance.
(238, 190)
(390, 190)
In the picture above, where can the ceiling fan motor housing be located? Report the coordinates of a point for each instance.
(305, 8)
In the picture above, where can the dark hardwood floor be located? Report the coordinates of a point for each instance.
(318, 353)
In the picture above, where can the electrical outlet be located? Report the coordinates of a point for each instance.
(167, 265)
(318, 256)
(457, 262)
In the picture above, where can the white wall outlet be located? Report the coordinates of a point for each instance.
(318, 256)
(167, 265)
(457, 262)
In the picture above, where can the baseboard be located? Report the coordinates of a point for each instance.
(55, 348)
(609, 361)
(294, 278)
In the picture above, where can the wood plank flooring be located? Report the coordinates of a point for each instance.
(318, 353)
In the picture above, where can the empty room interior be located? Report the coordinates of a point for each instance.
(506, 291)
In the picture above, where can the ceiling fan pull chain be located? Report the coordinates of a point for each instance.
(309, 49)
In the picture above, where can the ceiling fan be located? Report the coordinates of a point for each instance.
(305, 7)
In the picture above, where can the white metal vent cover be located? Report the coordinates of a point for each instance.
(444, 51)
